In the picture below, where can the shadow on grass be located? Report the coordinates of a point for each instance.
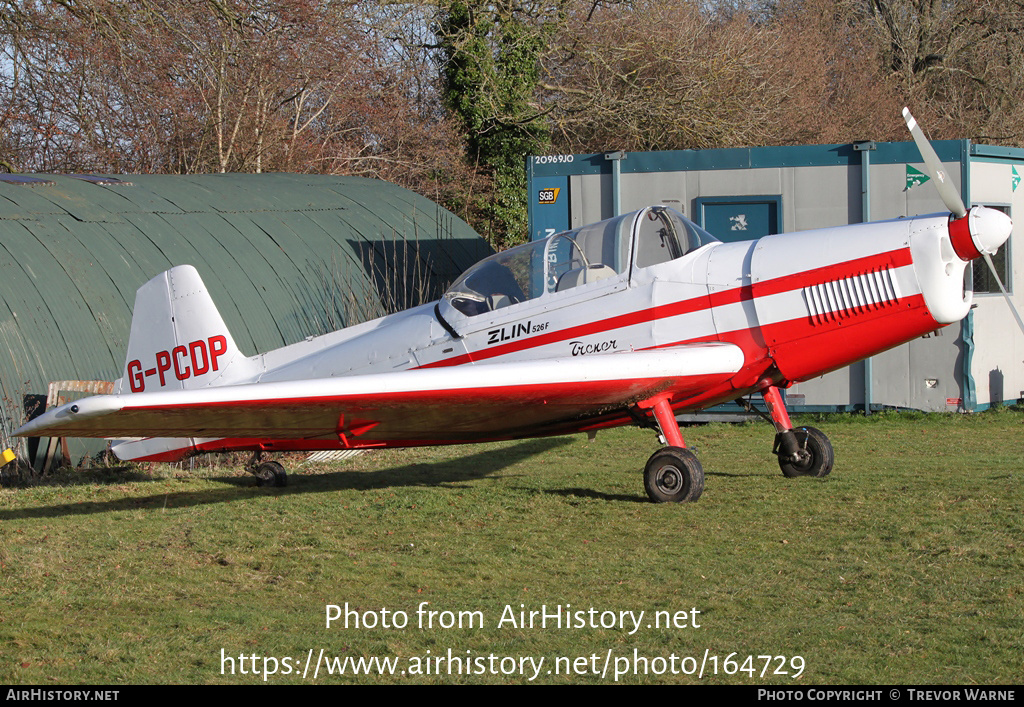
(448, 471)
(640, 497)
(597, 495)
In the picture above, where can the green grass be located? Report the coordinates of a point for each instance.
(903, 566)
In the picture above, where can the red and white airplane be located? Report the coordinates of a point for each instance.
(625, 322)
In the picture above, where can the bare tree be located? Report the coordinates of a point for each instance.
(656, 74)
(369, 88)
(841, 91)
(663, 74)
(182, 86)
(957, 62)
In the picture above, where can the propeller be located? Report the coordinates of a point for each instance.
(950, 196)
(992, 267)
(980, 219)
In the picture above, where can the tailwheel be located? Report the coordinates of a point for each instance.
(267, 473)
(271, 473)
(808, 454)
(673, 474)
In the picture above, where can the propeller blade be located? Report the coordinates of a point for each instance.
(992, 267)
(947, 191)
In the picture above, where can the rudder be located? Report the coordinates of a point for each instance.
(178, 338)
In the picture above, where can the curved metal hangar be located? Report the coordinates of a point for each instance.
(285, 256)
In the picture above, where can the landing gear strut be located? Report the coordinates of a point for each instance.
(673, 473)
(267, 473)
(805, 451)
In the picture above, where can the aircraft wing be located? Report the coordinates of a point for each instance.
(470, 402)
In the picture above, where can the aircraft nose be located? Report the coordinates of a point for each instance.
(990, 228)
(980, 232)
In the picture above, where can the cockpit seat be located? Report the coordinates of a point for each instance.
(497, 301)
(582, 276)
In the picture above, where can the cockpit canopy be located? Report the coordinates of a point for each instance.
(568, 259)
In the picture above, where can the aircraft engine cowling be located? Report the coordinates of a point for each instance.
(941, 256)
(857, 291)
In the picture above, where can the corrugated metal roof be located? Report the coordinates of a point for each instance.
(285, 256)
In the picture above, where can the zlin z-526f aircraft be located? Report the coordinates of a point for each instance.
(624, 322)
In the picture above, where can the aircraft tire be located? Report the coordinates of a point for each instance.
(820, 461)
(271, 473)
(673, 475)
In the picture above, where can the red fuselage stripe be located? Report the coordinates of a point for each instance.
(785, 283)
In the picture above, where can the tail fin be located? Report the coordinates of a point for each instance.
(179, 340)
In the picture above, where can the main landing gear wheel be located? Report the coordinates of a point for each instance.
(673, 474)
(271, 473)
(814, 457)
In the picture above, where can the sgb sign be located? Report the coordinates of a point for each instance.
(548, 196)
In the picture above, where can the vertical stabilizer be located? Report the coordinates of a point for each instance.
(179, 339)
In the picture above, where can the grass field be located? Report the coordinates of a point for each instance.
(906, 565)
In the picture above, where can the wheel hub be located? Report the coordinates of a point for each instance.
(801, 457)
(670, 479)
